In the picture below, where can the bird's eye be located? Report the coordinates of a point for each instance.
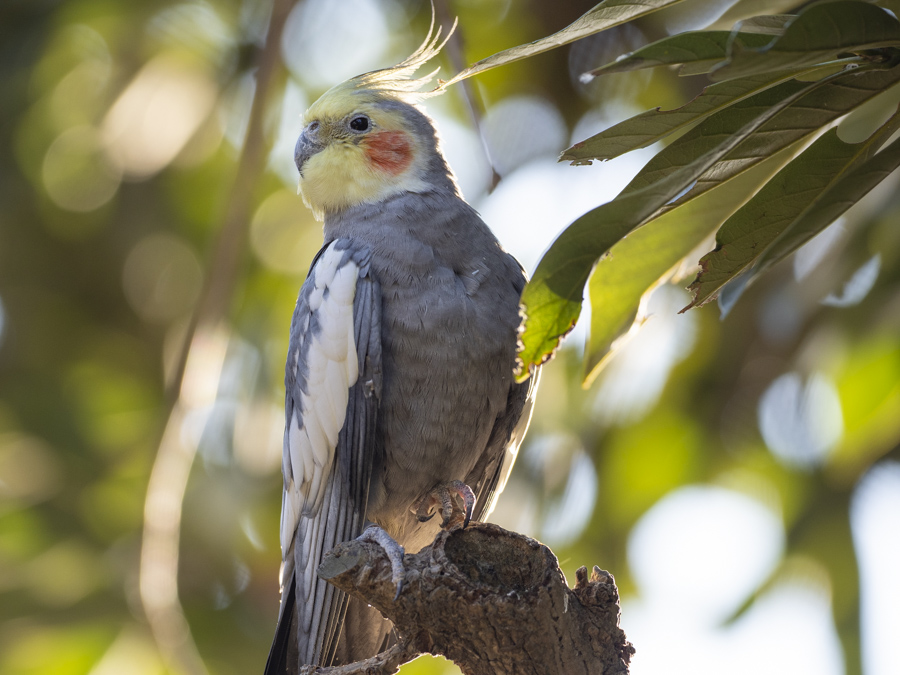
(360, 123)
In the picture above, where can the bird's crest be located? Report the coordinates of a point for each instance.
(397, 81)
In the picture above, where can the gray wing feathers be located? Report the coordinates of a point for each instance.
(310, 621)
(357, 439)
(507, 434)
(343, 514)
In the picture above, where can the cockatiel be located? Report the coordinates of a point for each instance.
(400, 394)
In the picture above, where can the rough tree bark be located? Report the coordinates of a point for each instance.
(492, 601)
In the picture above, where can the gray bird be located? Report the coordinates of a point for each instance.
(400, 398)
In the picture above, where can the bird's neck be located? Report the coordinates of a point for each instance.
(429, 217)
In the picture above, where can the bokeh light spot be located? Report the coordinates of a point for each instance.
(327, 42)
(64, 574)
(113, 404)
(195, 25)
(76, 98)
(29, 472)
(464, 151)
(520, 128)
(283, 233)
(258, 434)
(801, 424)
(718, 546)
(132, 652)
(161, 278)
(76, 175)
(570, 486)
(645, 461)
(874, 514)
(661, 338)
(281, 158)
(157, 114)
(234, 112)
(47, 649)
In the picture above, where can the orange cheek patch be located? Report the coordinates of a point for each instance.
(390, 151)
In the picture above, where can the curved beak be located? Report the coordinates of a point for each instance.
(307, 145)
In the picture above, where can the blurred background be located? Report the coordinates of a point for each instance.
(740, 477)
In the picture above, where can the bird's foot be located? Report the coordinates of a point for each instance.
(394, 551)
(443, 497)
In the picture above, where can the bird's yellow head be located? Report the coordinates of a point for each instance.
(366, 139)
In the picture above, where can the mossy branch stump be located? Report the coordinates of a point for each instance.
(492, 601)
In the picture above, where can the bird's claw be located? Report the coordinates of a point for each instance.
(394, 551)
(452, 516)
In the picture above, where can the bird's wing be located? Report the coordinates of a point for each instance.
(333, 385)
(491, 474)
(508, 432)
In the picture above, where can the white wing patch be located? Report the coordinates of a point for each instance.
(332, 366)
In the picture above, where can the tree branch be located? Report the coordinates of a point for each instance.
(492, 601)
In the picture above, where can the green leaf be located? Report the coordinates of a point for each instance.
(551, 301)
(646, 257)
(759, 26)
(769, 24)
(852, 187)
(703, 48)
(604, 15)
(747, 10)
(819, 105)
(651, 126)
(777, 208)
(823, 32)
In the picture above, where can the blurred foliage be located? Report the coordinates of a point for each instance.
(123, 128)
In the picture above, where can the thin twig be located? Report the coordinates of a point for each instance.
(200, 364)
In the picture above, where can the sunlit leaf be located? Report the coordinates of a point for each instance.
(850, 189)
(786, 199)
(816, 107)
(845, 193)
(702, 48)
(605, 15)
(747, 10)
(769, 24)
(823, 32)
(638, 262)
(648, 127)
(551, 301)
